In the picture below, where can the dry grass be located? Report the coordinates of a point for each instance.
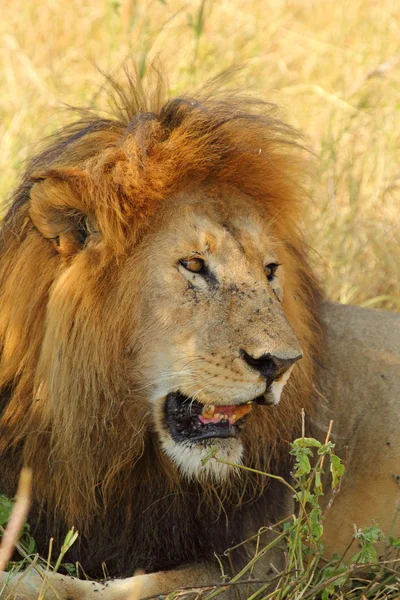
(333, 67)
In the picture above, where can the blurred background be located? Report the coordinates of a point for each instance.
(332, 66)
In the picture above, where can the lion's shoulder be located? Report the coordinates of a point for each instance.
(369, 327)
(362, 366)
(360, 382)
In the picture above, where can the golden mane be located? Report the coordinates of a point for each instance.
(90, 450)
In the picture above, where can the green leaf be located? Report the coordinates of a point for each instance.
(331, 571)
(318, 483)
(395, 542)
(372, 534)
(303, 466)
(369, 536)
(307, 442)
(5, 509)
(315, 523)
(328, 591)
(337, 470)
(326, 448)
(307, 497)
(291, 525)
(366, 555)
(298, 451)
(28, 543)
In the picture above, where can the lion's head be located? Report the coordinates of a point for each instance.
(155, 299)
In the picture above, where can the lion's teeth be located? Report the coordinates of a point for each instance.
(232, 414)
(208, 411)
(242, 410)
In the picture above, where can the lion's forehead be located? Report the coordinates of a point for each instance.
(225, 237)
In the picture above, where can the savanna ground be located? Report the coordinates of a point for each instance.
(333, 68)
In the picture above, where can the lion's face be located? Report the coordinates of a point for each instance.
(216, 336)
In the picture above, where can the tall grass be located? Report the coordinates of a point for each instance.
(332, 67)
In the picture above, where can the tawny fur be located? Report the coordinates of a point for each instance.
(73, 348)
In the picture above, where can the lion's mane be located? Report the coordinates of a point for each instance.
(97, 463)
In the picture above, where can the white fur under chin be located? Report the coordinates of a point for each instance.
(187, 457)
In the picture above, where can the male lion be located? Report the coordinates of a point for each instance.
(156, 300)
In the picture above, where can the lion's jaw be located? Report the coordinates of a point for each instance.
(204, 329)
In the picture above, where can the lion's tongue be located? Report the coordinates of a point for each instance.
(216, 414)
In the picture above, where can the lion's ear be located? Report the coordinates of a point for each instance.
(59, 208)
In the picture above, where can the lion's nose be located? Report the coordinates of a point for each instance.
(269, 366)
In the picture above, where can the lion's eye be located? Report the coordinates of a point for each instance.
(194, 264)
(270, 270)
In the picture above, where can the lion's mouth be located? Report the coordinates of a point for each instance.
(189, 420)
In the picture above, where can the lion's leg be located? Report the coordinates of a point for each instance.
(28, 585)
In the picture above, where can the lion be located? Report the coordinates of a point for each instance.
(157, 303)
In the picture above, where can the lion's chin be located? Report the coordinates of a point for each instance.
(191, 429)
(188, 456)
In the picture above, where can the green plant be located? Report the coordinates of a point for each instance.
(307, 574)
